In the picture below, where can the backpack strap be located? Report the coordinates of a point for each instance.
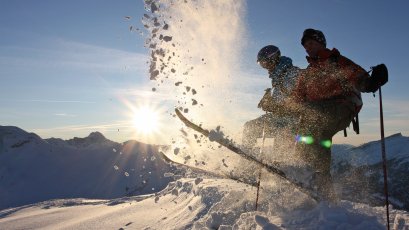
(355, 124)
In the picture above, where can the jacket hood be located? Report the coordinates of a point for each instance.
(283, 65)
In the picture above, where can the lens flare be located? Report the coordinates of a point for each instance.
(310, 140)
(326, 143)
(305, 139)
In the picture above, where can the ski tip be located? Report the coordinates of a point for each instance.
(179, 114)
(177, 111)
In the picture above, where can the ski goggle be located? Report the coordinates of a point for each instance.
(267, 63)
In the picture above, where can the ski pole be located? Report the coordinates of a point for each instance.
(261, 152)
(385, 176)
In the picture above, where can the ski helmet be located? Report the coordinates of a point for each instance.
(312, 34)
(268, 55)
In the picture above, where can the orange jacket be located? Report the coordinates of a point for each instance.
(328, 76)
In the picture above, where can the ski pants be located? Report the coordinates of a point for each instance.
(321, 121)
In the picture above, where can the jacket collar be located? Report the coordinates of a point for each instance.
(323, 55)
(282, 66)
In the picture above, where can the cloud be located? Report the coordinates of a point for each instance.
(71, 56)
(72, 128)
(90, 56)
(48, 101)
(65, 115)
(69, 130)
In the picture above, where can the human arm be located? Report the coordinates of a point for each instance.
(284, 107)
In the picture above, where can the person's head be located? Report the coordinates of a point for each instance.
(268, 57)
(313, 41)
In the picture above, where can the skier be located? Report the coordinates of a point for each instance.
(278, 122)
(283, 77)
(327, 96)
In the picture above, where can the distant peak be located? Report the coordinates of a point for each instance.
(12, 129)
(92, 138)
(395, 135)
(16, 131)
(96, 136)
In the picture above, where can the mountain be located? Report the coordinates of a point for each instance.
(95, 167)
(130, 185)
(34, 169)
(358, 171)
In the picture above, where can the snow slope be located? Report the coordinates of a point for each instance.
(199, 204)
(107, 173)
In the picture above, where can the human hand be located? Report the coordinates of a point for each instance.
(266, 101)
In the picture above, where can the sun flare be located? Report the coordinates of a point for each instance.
(146, 120)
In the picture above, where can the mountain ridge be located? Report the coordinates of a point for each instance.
(98, 168)
(90, 167)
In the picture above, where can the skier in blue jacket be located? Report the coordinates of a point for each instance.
(278, 123)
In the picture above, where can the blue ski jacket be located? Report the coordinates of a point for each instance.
(283, 79)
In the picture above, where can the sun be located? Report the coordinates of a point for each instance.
(146, 120)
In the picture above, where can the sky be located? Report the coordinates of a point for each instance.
(68, 68)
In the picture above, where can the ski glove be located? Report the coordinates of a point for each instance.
(378, 78)
(266, 101)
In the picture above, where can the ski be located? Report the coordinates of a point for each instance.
(231, 146)
(221, 175)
